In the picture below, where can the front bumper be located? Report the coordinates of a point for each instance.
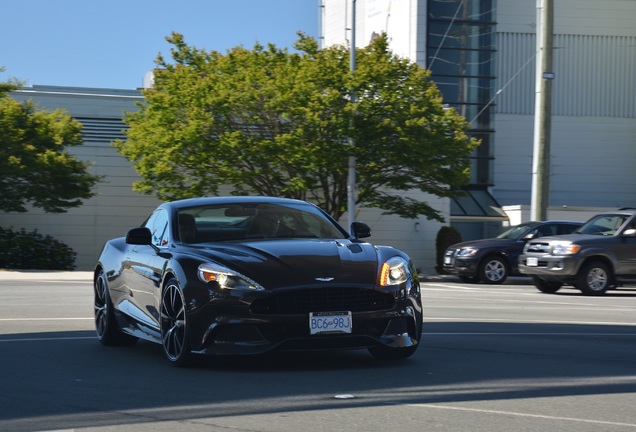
(555, 266)
(461, 266)
(238, 331)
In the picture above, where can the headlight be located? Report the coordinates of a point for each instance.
(226, 278)
(394, 272)
(467, 251)
(565, 248)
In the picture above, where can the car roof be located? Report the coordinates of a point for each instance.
(624, 210)
(202, 201)
(563, 221)
(550, 221)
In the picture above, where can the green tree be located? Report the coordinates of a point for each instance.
(35, 167)
(271, 122)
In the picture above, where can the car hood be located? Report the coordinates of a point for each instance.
(485, 243)
(284, 263)
(578, 238)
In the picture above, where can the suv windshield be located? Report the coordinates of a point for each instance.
(605, 224)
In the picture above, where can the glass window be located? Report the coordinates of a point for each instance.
(465, 90)
(461, 35)
(472, 10)
(603, 224)
(461, 48)
(158, 226)
(240, 221)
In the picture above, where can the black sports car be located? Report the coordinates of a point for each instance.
(249, 275)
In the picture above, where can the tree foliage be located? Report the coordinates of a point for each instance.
(36, 169)
(273, 122)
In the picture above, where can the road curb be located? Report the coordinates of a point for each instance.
(35, 275)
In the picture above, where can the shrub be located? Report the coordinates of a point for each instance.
(446, 236)
(34, 251)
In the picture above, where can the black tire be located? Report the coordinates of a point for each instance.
(548, 287)
(175, 335)
(594, 278)
(493, 270)
(105, 323)
(469, 279)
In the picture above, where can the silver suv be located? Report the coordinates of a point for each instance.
(598, 256)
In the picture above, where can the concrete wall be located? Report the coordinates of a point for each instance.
(592, 161)
(416, 237)
(521, 213)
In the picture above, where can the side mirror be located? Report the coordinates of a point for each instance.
(360, 230)
(629, 232)
(139, 236)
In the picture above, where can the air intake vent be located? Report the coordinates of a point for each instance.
(324, 300)
(102, 130)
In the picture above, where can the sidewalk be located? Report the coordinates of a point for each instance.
(12, 275)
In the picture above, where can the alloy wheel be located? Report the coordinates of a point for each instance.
(494, 271)
(174, 332)
(101, 307)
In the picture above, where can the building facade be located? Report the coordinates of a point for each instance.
(482, 56)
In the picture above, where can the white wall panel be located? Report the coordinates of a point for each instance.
(592, 161)
(594, 75)
(574, 17)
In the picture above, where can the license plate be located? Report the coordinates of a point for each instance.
(532, 262)
(329, 322)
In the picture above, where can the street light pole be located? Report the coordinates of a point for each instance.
(542, 111)
(351, 178)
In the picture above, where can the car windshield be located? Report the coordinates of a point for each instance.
(245, 221)
(605, 224)
(515, 232)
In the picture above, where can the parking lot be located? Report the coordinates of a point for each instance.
(493, 358)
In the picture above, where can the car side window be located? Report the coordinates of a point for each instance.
(158, 226)
(548, 230)
(543, 230)
(566, 229)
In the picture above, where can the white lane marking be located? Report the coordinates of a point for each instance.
(518, 414)
(425, 333)
(49, 339)
(46, 319)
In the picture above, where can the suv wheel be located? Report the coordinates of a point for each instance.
(594, 278)
(548, 287)
(493, 270)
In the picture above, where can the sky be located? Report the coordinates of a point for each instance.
(114, 43)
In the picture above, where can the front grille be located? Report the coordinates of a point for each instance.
(324, 300)
(538, 247)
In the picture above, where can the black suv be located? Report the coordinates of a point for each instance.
(493, 260)
(598, 256)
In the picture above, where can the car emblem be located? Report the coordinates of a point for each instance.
(324, 279)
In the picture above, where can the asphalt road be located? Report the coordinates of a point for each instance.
(493, 358)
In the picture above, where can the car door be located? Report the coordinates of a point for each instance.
(145, 268)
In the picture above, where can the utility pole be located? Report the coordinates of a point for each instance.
(542, 111)
(351, 178)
